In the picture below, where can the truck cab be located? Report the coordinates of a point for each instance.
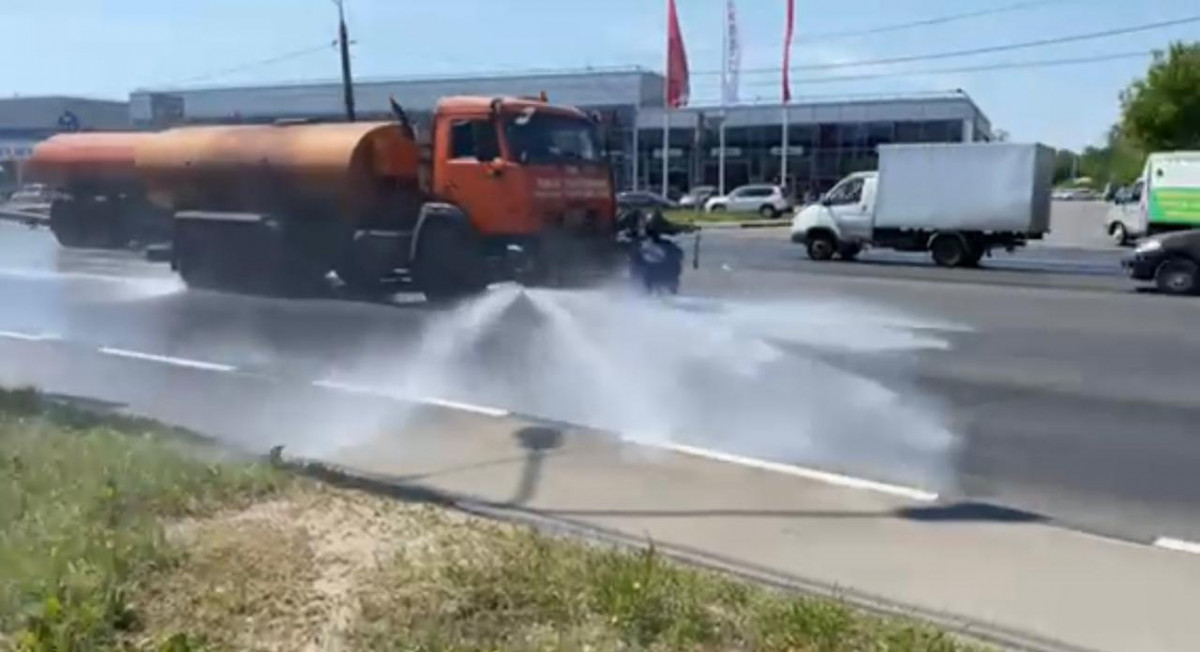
(840, 222)
(518, 167)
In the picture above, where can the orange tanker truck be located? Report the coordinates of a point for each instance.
(501, 188)
(101, 202)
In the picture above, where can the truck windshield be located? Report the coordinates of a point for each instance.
(535, 137)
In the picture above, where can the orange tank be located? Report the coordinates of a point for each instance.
(97, 160)
(347, 167)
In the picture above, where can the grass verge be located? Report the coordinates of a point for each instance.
(120, 534)
(82, 499)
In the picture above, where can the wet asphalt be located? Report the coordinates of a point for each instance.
(1072, 395)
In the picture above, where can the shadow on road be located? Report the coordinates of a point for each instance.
(537, 441)
(958, 512)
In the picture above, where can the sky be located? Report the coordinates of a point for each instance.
(106, 48)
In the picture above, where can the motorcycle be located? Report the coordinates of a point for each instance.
(655, 259)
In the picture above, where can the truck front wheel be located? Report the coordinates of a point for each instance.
(448, 262)
(950, 250)
(821, 246)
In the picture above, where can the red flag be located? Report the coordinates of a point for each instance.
(678, 86)
(787, 51)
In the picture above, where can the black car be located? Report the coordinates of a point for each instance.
(1172, 261)
(643, 199)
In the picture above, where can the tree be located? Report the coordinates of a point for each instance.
(1119, 161)
(1065, 162)
(1162, 111)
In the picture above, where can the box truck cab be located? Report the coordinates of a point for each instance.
(957, 201)
(839, 224)
(1166, 197)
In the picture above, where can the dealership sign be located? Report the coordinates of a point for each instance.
(15, 150)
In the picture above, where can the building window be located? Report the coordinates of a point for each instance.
(908, 132)
(880, 133)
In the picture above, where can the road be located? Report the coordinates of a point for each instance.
(1064, 392)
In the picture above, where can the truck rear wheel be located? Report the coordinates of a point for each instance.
(66, 225)
(448, 261)
(87, 224)
(950, 250)
(252, 257)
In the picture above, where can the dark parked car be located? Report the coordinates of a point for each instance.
(643, 199)
(1172, 261)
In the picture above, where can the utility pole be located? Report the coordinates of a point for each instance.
(344, 46)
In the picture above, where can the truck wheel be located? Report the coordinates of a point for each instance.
(1119, 234)
(198, 269)
(821, 246)
(949, 250)
(66, 225)
(768, 211)
(1177, 276)
(448, 264)
(975, 255)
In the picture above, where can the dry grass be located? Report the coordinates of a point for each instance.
(280, 575)
(489, 587)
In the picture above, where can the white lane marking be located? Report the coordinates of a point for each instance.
(356, 389)
(776, 467)
(1178, 545)
(29, 337)
(802, 472)
(166, 359)
(467, 407)
(440, 402)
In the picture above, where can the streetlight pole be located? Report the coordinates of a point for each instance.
(344, 46)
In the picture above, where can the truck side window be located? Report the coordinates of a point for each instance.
(1135, 193)
(474, 139)
(847, 193)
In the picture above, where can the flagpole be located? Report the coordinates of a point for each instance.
(724, 112)
(637, 152)
(783, 166)
(785, 145)
(666, 136)
(666, 150)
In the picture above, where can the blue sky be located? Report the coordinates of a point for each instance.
(108, 47)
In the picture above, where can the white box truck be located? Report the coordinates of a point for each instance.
(1165, 198)
(957, 201)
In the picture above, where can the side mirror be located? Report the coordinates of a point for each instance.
(824, 201)
(495, 167)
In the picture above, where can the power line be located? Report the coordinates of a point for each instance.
(928, 22)
(1010, 65)
(295, 54)
(1074, 38)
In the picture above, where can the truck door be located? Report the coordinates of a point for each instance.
(475, 176)
(852, 204)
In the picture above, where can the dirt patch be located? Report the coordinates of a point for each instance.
(280, 575)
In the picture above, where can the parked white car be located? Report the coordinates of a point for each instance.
(768, 201)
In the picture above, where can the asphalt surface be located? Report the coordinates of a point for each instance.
(1070, 393)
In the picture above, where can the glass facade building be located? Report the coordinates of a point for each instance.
(827, 138)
